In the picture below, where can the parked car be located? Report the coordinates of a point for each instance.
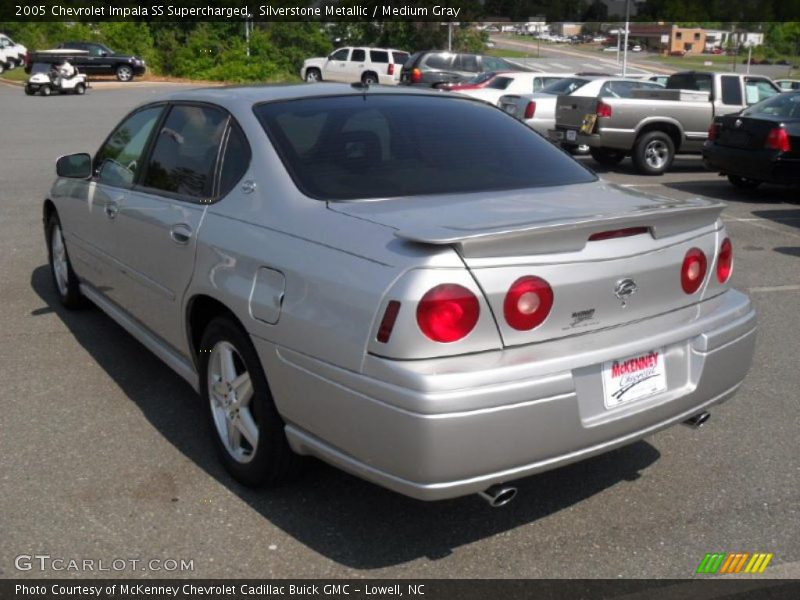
(538, 110)
(511, 83)
(410, 285)
(14, 53)
(788, 84)
(636, 48)
(436, 68)
(654, 125)
(350, 65)
(6, 62)
(759, 144)
(98, 60)
(473, 83)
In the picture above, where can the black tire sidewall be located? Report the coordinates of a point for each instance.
(638, 152)
(319, 75)
(607, 157)
(274, 460)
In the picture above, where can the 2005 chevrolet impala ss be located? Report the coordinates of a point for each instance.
(414, 287)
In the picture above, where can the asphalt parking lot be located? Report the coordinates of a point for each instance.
(105, 453)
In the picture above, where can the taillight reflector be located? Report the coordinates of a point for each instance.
(530, 110)
(448, 312)
(603, 109)
(527, 303)
(416, 75)
(693, 270)
(725, 261)
(712, 132)
(617, 233)
(778, 139)
(387, 323)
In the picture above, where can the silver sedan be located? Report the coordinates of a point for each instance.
(412, 286)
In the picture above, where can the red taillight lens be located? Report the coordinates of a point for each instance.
(528, 302)
(712, 132)
(387, 323)
(390, 69)
(725, 261)
(530, 110)
(447, 312)
(416, 75)
(778, 139)
(603, 110)
(693, 270)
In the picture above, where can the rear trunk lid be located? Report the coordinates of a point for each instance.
(748, 132)
(545, 232)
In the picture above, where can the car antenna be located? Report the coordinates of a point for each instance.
(361, 85)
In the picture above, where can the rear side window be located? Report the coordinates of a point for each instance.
(731, 90)
(235, 161)
(358, 55)
(119, 160)
(467, 62)
(400, 57)
(439, 61)
(357, 147)
(185, 151)
(491, 63)
(379, 56)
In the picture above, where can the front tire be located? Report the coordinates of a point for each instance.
(743, 183)
(313, 75)
(653, 153)
(607, 157)
(80, 89)
(124, 73)
(46, 90)
(248, 432)
(29, 91)
(64, 279)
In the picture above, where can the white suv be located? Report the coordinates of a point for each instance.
(14, 53)
(349, 65)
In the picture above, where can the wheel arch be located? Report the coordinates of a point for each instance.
(669, 126)
(201, 309)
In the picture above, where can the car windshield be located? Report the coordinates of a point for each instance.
(388, 145)
(785, 105)
(41, 68)
(564, 86)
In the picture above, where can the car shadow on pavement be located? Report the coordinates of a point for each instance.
(341, 517)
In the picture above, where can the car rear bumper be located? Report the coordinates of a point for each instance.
(762, 165)
(442, 428)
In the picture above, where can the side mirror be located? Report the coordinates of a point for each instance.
(75, 166)
(103, 53)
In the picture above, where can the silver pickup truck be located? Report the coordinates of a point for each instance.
(654, 125)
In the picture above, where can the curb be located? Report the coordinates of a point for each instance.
(12, 82)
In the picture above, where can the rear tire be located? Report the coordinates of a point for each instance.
(607, 157)
(369, 78)
(64, 279)
(743, 183)
(653, 153)
(80, 89)
(248, 432)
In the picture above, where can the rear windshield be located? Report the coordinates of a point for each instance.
(481, 77)
(499, 83)
(400, 57)
(564, 86)
(786, 105)
(700, 82)
(379, 146)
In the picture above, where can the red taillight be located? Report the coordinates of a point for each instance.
(528, 302)
(530, 110)
(617, 233)
(693, 270)
(387, 323)
(603, 110)
(390, 69)
(416, 75)
(712, 132)
(725, 261)
(778, 139)
(447, 312)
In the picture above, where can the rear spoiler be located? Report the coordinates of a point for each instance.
(569, 235)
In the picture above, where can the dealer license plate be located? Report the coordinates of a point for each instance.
(634, 377)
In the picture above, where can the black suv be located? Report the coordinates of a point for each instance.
(102, 60)
(436, 68)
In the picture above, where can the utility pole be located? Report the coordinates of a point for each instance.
(627, 28)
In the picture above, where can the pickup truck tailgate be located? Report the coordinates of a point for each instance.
(571, 111)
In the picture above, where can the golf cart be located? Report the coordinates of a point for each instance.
(45, 79)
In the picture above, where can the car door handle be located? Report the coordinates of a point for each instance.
(180, 233)
(111, 210)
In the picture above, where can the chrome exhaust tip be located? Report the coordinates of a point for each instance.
(498, 495)
(698, 420)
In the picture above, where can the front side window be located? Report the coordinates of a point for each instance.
(378, 146)
(185, 151)
(731, 90)
(119, 159)
(340, 54)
